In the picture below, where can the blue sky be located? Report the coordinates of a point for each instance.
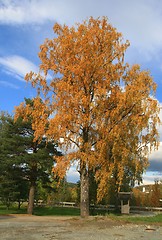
(24, 25)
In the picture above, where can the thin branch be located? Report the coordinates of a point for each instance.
(74, 142)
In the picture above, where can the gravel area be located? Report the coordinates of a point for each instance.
(24, 227)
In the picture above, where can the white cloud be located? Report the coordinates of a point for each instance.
(155, 160)
(9, 13)
(73, 175)
(17, 66)
(160, 116)
(24, 12)
(157, 154)
(140, 20)
(151, 177)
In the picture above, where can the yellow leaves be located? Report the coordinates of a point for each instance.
(37, 112)
(83, 48)
(62, 165)
(97, 102)
(57, 28)
(19, 111)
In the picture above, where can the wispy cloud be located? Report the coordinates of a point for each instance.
(8, 84)
(17, 66)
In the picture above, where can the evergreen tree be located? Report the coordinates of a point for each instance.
(23, 161)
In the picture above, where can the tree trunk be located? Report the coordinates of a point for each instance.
(84, 195)
(116, 203)
(31, 198)
(19, 204)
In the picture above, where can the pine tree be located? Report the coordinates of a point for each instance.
(22, 160)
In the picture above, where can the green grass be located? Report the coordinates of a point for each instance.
(67, 211)
(138, 219)
(42, 211)
(56, 211)
(11, 210)
(152, 219)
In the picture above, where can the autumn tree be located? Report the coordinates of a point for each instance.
(98, 104)
(150, 197)
(155, 194)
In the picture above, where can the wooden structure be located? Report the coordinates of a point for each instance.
(124, 198)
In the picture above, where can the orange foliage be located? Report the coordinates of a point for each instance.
(100, 106)
(149, 198)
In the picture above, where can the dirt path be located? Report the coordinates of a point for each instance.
(22, 227)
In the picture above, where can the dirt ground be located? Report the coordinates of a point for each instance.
(23, 227)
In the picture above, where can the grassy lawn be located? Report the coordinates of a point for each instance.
(56, 211)
(138, 219)
(67, 211)
(11, 210)
(42, 211)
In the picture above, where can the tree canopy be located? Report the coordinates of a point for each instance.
(96, 103)
(23, 162)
